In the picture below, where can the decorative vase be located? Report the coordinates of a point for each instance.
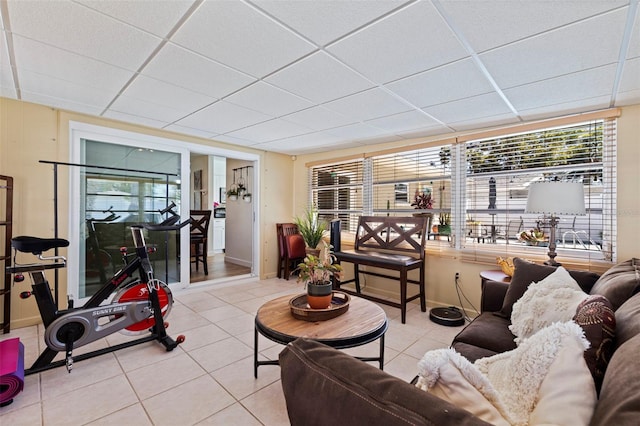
(312, 251)
(319, 295)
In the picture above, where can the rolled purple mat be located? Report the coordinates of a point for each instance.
(11, 370)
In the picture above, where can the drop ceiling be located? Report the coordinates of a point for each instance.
(299, 76)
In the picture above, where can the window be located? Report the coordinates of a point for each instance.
(336, 191)
(477, 186)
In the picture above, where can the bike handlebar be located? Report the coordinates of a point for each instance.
(163, 226)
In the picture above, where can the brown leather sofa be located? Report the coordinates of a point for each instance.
(323, 386)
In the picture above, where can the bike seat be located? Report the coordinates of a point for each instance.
(37, 245)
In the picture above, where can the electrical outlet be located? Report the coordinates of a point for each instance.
(457, 275)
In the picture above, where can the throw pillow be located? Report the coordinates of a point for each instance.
(544, 376)
(526, 272)
(619, 283)
(533, 383)
(553, 299)
(595, 316)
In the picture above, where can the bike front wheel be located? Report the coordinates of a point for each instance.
(138, 291)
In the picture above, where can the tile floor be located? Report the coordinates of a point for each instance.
(208, 380)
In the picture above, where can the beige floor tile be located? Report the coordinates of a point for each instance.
(188, 403)
(132, 415)
(403, 366)
(144, 354)
(237, 378)
(419, 348)
(237, 325)
(268, 405)
(29, 396)
(95, 401)
(155, 378)
(24, 416)
(200, 301)
(202, 336)
(220, 354)
(233, 415)
(222, 313)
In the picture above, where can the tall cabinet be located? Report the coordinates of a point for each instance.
(6, 230)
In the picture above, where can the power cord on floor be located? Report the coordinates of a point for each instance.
(458, 292)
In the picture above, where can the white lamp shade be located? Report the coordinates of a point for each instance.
(556, 198)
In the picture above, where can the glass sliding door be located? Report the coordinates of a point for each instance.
(125, 185)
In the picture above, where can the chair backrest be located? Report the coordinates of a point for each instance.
(282, 230)
(200, 223)
(295, 246)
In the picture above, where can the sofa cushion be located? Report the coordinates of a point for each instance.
(628, 320)
(323, 386)
(553, 299)
(620, 393)
(619, 283)
(595, 316)
(471, 352)
(488, 331)
(527, 272)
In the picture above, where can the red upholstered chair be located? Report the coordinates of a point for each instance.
(294, 253)
(282, 230)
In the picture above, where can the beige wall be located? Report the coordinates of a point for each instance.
(441, 268)
(31, 132)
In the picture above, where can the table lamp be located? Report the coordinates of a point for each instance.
(555, 198)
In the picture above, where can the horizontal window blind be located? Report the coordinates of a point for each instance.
(337, 192)
(498, 172)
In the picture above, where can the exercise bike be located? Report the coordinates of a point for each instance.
(138, 305)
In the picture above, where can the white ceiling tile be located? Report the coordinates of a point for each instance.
(631, 97)
(327, 20)
(45, 59)
(466, 109)
(161, 93)
(403, 122)
(484, 122)
(580, 85)
(61, 89)
(448, 83)
(268, 99)
(140, 108)
(239, 36)
(233, 140)
(189, 131)
(564, 108)
(425, 132)
(630, 76)
(634, 41)
(306, 144)
(66, 104)
(83, 31)
(319, 78)
(132, 118)
(372, 103)
(223, 117)
(498, 23)
(270, 130)
(164, 17)
(357, 132)
(319, 118)
(7, 84)
(569, 49)
(380, 139)
(409, 41)
(177, 66)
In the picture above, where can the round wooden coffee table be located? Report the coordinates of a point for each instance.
(363, 323)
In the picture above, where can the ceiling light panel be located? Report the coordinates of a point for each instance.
(268, 99)
(237, 35)
(409, 41)
(448, 83)
(73, 27)
(503, 22)
(569, 49)
(178, 66)
(319, 78)
(327, 20)
(160, 22)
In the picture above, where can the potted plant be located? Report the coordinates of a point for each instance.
(232, 194)
(247, 197)
(444, 228)
(422, 201)
(312, 230)
(316, 272)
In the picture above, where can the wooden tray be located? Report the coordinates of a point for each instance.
(300, 309)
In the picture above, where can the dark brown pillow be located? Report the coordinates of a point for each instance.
(619, 283)
(527, 272)
(595, 316)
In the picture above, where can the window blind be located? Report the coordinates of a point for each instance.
(336, 190)
(499, 170)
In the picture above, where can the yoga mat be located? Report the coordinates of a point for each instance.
(11, 370)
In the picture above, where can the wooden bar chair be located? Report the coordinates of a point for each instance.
(199, 231)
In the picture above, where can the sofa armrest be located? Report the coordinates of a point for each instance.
(325, 386)
(493, 293)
